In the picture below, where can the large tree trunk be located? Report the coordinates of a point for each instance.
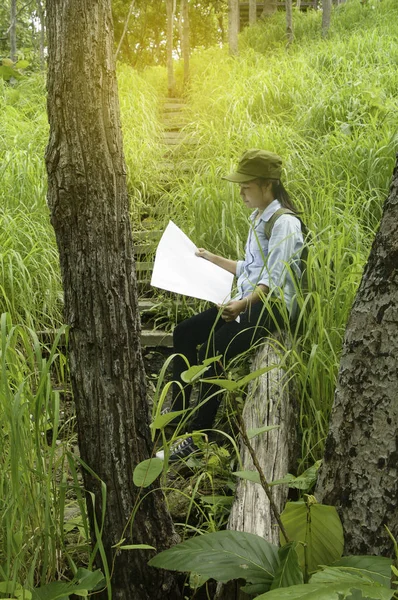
(359, 473)
(13, 30)
(89, 204)
(169, 42)
(233, 26)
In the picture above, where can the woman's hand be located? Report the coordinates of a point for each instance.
(232, 310)
(203, 253)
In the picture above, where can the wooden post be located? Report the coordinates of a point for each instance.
(233, 26)
(268, 403)
(252, 12)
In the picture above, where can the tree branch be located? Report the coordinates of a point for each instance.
(125, 28)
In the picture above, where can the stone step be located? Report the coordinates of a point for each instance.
(156, 338)
(172, 107)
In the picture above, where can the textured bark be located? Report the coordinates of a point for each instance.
(326, 16)
(13, 30)
(252, 12)
(170, 27)
(268, 403)
(359, 474)
(233, 26)
(89, 205)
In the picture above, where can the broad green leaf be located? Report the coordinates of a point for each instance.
(22, 64)
(254, 375)
(86, 582)
(147, 471)
(225, 384)
(137, 547)
(223, 555)
(338, 574)
(304, 481)
(249, 475)
(319, 527)
(376, 567)
(7, 62)
(251, 433)
(307, 479)
(196, 371)
(161, 421)
(332, 591)
(17, 591)
(289, 571)
(287, 479)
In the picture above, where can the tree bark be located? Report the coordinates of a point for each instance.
(169, 41)
(326, 16)
(268, 403)
(359, 473)
(233, 26)
(13, 30)
(185, 39)
(88, 200)
(289, 21)
(252, 12)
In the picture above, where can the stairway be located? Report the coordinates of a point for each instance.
(176, 142)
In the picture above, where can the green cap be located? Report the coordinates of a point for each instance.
(256, 163)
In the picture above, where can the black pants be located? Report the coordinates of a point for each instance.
(213, 336)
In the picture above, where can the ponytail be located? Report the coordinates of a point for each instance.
(279, 192)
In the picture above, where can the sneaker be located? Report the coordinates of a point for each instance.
(180, 450)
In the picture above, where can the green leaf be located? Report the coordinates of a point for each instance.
(196, 371)
(161, 421)
(17, 591)
(319, 527)
(251, 433)
(332, 591)
(22, 64)
(225, 384)
(223, 555)
(7, 72)
(304, 481)
(289, 572)
(249, 475)
(147, 471)
(86, 582)
(137, 547)
(376, 567)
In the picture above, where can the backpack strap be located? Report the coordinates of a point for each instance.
(269, 225)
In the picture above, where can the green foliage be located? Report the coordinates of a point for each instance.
(223, 556)
(147, 471)
(318, 528)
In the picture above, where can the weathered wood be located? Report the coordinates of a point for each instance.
(268, 403)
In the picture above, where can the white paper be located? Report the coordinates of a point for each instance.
(178, 269)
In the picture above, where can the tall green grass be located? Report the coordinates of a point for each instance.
(36, 481)
(329, 108)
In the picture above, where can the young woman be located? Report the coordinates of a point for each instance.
(265, 289)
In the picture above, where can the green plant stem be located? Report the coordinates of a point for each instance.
(263, 480)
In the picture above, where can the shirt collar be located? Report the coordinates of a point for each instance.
(267, 212)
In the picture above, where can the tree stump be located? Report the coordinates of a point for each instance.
(268, 403)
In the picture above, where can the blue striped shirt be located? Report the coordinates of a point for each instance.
(266, 260)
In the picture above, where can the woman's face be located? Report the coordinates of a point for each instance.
(256, 196)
